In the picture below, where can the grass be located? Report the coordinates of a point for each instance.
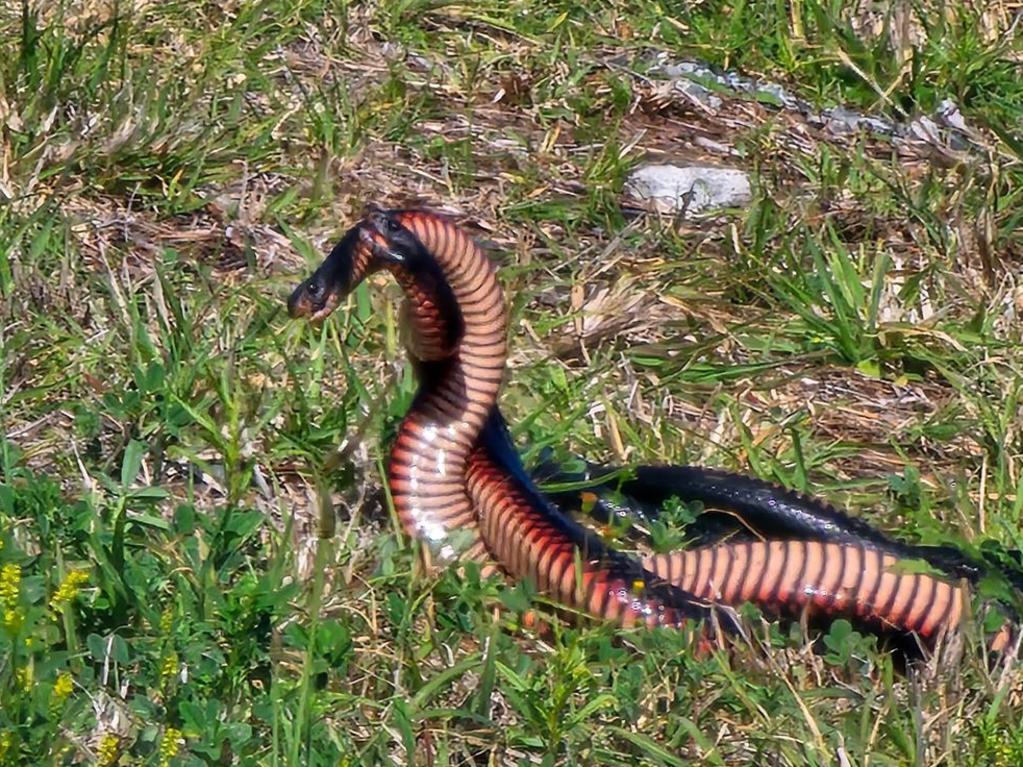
(191, 574)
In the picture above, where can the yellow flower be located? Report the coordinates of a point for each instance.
(6, 741)
(12, 619)
(169, 746)
(62, 688)
(10, 582)
(109, 750)
(10, 587)
(69, 588)
(166, 621)
(24, 676)
(169, 666)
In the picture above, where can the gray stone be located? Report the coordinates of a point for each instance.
(693, 188)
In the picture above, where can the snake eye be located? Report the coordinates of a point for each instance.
(315, 289)
(391, 225)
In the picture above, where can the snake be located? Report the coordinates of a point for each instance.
(738, 506)
(458, 484)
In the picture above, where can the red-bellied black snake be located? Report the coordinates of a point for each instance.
(453, 471)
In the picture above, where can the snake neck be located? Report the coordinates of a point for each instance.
(457, 316)
(458, 331)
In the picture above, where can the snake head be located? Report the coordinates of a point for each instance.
(379, 240)
(321, 293)
(390, 242)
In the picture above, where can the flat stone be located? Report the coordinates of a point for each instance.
(693, 188)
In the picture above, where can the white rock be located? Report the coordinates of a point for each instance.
(706, 187)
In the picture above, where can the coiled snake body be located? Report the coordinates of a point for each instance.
(454, 472)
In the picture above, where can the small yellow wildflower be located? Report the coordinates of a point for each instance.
(10, 587)
(62, 688)
(10, 582)
(169, 666)
(12, 619)
(170, 745)
(109, 751)
(24, 677)
(6, 741)
(166, 621)
(69, 588)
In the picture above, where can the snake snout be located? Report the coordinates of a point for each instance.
(307, 298)
(315, 299)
